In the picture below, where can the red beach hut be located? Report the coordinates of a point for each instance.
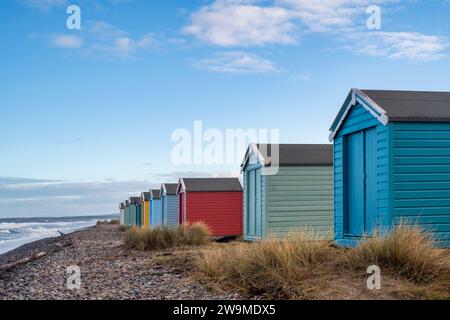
(217, 202)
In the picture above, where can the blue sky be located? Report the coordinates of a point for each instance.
(87, 115)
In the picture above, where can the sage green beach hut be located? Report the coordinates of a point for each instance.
(288, 187)
(127, 213)
(134, 210)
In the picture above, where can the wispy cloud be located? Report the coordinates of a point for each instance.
(7, 181)
(237, 62)
(412, 46)
(22, 197)
(241, 23)
(47, 5)
(43, 5)
(100, 39)
(256, 22)
(30, 197)
(245, 23)
(328, 15)
(67, 41)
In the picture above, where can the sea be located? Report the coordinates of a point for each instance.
(15, 232)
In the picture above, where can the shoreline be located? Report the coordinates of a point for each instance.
(109, 270)
(35, 246)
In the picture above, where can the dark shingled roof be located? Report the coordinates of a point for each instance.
(155, 194)
(146, 195)
(212, 184)
(135, 200)
(300, 154)
(424, 106)
(171, 188)
(127, 203)
(122, 206)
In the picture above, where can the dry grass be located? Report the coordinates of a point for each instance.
(167, 236)
(271, 267)
(406, 251)
(300, 268)
(110, 222)
(123, 228)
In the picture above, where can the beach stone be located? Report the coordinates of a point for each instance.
(108, 271)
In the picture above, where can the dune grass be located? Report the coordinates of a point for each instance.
(106, 222)
(406, 251)
(301, 267)
(163, 237)
(271, 267)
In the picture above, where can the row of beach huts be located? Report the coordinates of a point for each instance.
(389, 163)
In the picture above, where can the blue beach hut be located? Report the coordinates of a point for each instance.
(391, 163)
(155, 208)
(169, 203)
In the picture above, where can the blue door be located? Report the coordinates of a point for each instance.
(254, 210)
(163, 210)
(361, 168)
(355, 184)
(251, 204)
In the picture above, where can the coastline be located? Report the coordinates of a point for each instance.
(109, 270)
(32, 247)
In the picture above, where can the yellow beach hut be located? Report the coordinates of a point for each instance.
(145, 209)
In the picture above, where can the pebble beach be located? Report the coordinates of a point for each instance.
(109, 271)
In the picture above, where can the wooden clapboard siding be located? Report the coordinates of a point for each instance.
(156, 212)
(221, 211)
(122, 217)
(300, 197)
(412, 169)
(146, 214)
(126, 216)
(421, 177)
(170, 214)
(133, 214)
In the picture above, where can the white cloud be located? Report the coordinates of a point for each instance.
(112, 41)
(398, 45)
(242, 23)
(237, 62)
(104, 40)
(328, 15)
(67, 41)
(44, 5)
(231, 23)
(124, 47)
(257, 22)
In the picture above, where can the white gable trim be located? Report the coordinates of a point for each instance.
(252, 149)
(181, 186)
(371, 106)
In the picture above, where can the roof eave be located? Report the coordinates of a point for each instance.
(355, 96)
